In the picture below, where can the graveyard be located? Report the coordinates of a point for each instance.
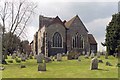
(64, 68)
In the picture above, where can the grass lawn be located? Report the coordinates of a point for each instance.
(64, 69)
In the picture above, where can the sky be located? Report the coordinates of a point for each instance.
(95, 14)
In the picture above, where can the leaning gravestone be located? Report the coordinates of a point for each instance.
(59, 57)
(86, 56)
(13, 56)
(40, 58)
(92, 55)
(94, 64)
(42, 67)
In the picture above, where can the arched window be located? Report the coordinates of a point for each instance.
(81, 41)
(77, 41)
(57, 40)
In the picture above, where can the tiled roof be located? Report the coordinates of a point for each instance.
(70, 22)
(46, 21)
(91, 39)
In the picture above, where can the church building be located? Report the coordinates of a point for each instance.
(57, 36)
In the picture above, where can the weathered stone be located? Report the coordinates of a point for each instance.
(59, 57)
(88, 54)
(108, 64)
(86, 57)
(42, 67)
(79, 58)
(2, 68)
(94, 64)
(83, 52)
(92, 55)
(40, 58)
(13, 56)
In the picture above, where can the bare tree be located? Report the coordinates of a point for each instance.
(15, 16)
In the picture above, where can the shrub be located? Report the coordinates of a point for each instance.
(17, 60)
(73, 55)
(10, 61)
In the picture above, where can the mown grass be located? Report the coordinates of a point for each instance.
(63, 69)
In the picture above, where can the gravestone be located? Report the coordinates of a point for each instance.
(92, 55)
(55, 56)
(98, 55)
(18, 55)
(94, 64)
(86, 56)
(83, 52)
(13, 56)
(59, 57)
(79, 58)
(88, 53)
(40, 58)
(42, 67)
(2, 68)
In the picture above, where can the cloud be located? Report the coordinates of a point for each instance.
(29, 33)
(97, 28)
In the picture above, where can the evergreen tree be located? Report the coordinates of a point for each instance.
(112, 41)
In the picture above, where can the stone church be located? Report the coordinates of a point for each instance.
(57, 36)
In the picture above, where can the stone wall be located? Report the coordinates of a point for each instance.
(51, 30)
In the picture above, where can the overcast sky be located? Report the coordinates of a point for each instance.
(95, 14)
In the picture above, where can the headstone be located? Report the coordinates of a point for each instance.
(94, 64)
(13, 56)
(2, 68)
(108, 64)
(92, 55)
(79, 58)
(18, 55)
(40, 58)
(42, 67)
(88, 53)
(86, 57)
(83, 52)
(55, 56)
(98, 55)
(59, 57)
(67, 52)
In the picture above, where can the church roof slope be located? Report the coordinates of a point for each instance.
(91, 39)
(70, 22)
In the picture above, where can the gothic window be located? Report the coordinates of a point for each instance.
(57, 40)
(77, 41)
